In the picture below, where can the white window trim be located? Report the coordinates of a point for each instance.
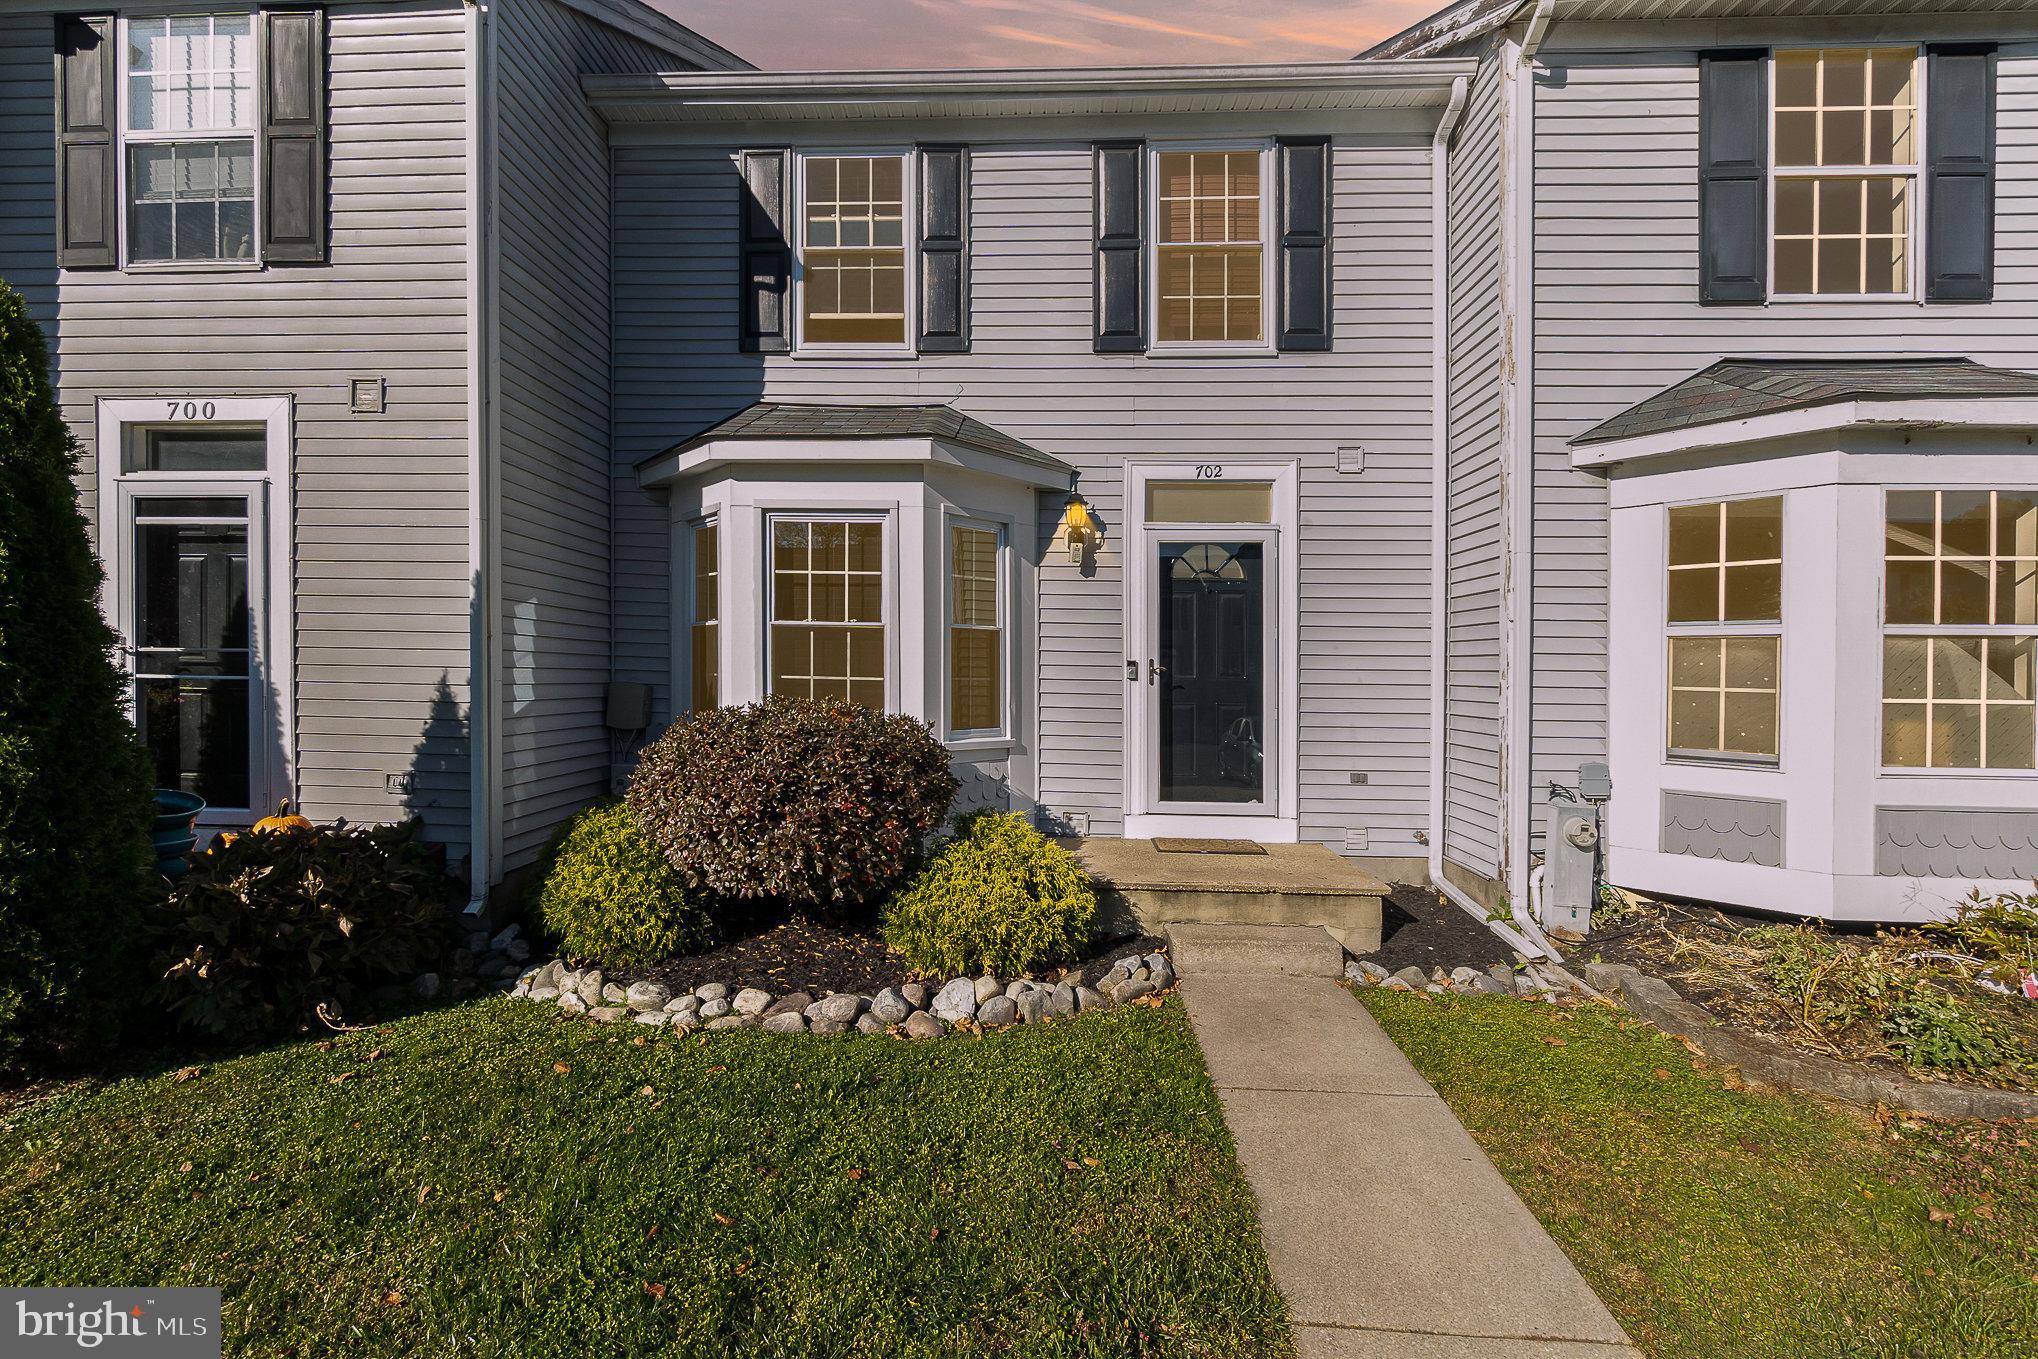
(888, 585)
(909, 237)
(686, 609)
(273, 667)
(1672, 632)
(977, 738)
(1885, 629)
(1914, 255)
(124, 138)
(1212, 349)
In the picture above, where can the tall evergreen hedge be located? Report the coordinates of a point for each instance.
(74, 784)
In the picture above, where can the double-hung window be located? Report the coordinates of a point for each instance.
(1846, 154)
(1960, 624)
(704, 640)
(1211, 248)
(828, 609)
(1725, 621)
(976, 635)
(190, 138)
(853, 247)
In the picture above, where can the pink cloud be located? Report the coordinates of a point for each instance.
(872, 34)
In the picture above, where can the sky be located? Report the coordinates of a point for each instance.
(865, 34)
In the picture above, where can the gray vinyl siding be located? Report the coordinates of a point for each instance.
(1364, 562)
(552, 316)
(380, 502)
(1617, 319)
(1473, 532)
(28, 241)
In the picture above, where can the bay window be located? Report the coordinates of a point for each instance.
(827, 637)
(1847, 152)
(1960, 625)
(1725, 624)
(1211, 247)
(190, 138)
(975, 633)
(853, 251)
(705, 647)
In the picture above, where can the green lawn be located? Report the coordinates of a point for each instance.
(499, 1182)
(1718, 1222)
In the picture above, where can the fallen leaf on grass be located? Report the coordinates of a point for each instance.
(560, 1068)
(1662, 1073)
(1069, 1165)
(723, 1219)
(934, 1233)
(655, 1290)
(1090, 1161)
(855, 1173)
(1985, 1211)
(392, 1299)
(716, 1070)
(189, 1073)
(501, 1194)
(645, 1091)
(374, 1055)
(1554, 1042)
(423, 1190)
(1939, 1215)
(342, 1078)
(184, 1169)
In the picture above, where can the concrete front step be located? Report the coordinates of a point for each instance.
(1286, 885)
(1253, 950)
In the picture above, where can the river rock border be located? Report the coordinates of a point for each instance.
(915, 1010)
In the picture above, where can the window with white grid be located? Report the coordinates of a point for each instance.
(853, 251)
(1960, 630)
(827, 609)
(975, 633)
(1725, 621)
(1846, 134)
(189, 133)
(1211, 248)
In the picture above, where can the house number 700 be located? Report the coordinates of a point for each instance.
(193, 410)
(1209, 471)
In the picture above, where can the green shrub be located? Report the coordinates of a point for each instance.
(812, 803)
(265, 928)
(1935, 1032)
(608, 893)
(999, 897)
(74, 785)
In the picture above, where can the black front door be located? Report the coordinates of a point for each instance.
(1212, 674)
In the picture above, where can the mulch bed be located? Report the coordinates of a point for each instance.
(1420, 928)
(795, 953)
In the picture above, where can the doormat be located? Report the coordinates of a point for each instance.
(1172, 845)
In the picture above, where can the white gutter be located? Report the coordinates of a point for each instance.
(482, 737)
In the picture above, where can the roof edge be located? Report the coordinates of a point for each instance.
(655, 26)
(1825, 418)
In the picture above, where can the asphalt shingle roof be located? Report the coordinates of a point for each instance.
(795, 420)
(1737, 389)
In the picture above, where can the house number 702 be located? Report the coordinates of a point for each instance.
(193, 410)
(1209, 471)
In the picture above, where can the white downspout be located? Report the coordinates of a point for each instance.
(1440, 482)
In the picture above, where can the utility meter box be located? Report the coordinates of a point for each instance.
(1571, 834)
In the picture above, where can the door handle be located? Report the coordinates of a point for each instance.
(1154, 670)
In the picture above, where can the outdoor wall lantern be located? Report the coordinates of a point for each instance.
(1080, 525)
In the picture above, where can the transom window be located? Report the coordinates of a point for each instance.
(1846, 137)
(975, 636)
(1960, 610)
(827, 609)
(853, 251)
(190, 146)
(1212, 250)
(1725, 621)
(705, 639)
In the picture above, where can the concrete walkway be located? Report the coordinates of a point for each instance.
(1388, 1230)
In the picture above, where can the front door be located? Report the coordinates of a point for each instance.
(1210, 686)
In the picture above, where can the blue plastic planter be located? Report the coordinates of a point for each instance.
(175, 830)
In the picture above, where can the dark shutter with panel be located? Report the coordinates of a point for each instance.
(767, 257)
(1960, 172)
(88, 213)
(1733, 177)
(944, 250)
(1305, 243)
(293, 136)
(1121, 247)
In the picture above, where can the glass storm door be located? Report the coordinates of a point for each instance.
(192, 628)
(1210, 684)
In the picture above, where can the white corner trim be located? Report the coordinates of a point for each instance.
(1964, 413)
(484, 740)
(1519, 470)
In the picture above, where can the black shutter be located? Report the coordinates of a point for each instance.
(1960, 172)
(88, 213)
(1733, 177)
(944, 250)
(1121, 247)
(1305, 243)
(294, 136)
(767, 258)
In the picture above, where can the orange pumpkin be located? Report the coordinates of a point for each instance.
(284, 822)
